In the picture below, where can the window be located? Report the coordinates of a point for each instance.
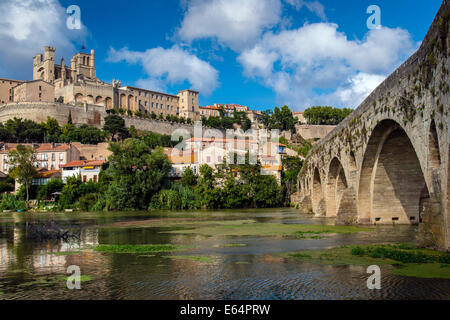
(208, 159)
(61, 156)
(219, 158)
(53, 156)
(84, 178)
(95, 178)
(101, 157)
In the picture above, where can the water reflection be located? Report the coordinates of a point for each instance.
(30, 270)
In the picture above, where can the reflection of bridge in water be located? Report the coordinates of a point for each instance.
(388, 162)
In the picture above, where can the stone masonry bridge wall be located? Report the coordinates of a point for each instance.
(388, 161)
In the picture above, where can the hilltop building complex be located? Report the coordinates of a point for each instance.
(78, 84)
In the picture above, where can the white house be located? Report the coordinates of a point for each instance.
(87, 170)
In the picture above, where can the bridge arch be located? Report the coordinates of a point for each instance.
(318, 201)
(336, 184)
(391, 183)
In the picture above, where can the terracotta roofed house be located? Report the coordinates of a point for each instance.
(48, 155)
(86, 169)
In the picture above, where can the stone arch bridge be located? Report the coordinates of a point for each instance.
(388, 162)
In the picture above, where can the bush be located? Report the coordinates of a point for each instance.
(178, 197)
(87, 202)
(358, 251)
(10, 202)
(166, 200)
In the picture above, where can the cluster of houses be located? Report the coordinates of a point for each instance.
(214, 151)
(255, 116)
(60, 160)
(64, 160)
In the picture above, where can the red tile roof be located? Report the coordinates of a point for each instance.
(38, 147)
(48, 173)
(83, 163)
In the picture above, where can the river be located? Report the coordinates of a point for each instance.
(240, 267)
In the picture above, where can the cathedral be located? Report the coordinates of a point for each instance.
(77, 84)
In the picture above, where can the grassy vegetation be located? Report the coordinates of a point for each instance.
(83, 278)
(253, 228)
(407, 259)
(337, 256)
(51, 280)
(137, 248)
(202, 259)
(227, 245)
(423, 270)
(66, 253)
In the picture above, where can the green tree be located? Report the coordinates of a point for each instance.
(136, 174)
(46, 191)
(51, 129)
(22, 160)
(70, 192)
(24, 130)
(7, 184)
(188, 178)
(115, 125)
(291, 168)
(326, 115)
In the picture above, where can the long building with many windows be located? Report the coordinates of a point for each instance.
(78, 84)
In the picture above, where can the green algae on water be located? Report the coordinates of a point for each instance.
(228, 245)
(66, 253)
(423, 270)
(203, 259)
(253, 228)
(407, 259)
(137, 248)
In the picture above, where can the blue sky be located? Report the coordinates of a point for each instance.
(259, 53)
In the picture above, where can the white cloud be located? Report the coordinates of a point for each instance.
(234, 23)
(317, 64)
(313, 6)
(173, 65)
(358, 87)
(26, 27)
